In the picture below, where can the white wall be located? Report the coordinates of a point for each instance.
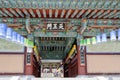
(11, 63)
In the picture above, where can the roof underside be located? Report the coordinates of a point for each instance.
(100, 14)
(60, 8)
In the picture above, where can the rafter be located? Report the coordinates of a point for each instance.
(44, 13)
(31, 12)
(56, 12)
(62, 14)
(26, 12)
(68, 13)
(117, 16)
(92, 13)
(105, 13)
(87, 12)
(80, 13)
(75, 12)
(50, 12)
(118, 13)
(3, 14)
(14, 12)
(19, 12)
(7, 12)
(110, 14)
(38, 13)
(99, 13)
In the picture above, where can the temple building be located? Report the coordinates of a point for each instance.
(59, 38)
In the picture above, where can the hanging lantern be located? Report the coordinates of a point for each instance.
(25, 42)
(119, 34)
(9, 33)
(22, 40)
(85, 41)
(3, 28)
(82, 42)
(98, 38)
(88, 41)
(32, 44)
(94, 40)
(113, 35)
(29, 43)
(104, 37)
(14, 36)
(18, 38)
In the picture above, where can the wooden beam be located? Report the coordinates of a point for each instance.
(15, 25)
(103, 26)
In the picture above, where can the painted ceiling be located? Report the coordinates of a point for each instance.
(100, 14)
(55, 47)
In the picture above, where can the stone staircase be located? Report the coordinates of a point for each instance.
(47, 75)
(81, 77)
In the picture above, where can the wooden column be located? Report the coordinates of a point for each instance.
(81, 67)
(29, 56)
(28, 65)
(50, 68)
(69, 69)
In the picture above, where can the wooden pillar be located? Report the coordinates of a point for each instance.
(39, 74)
(81, 67)
(69, 69)
(42, 69)
(25, 54)
(50, 68)
(29, 65)
(78, 58)
(29, 56)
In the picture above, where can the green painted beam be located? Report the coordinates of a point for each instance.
(48, 43)
(49, 34)
(52, 55)
(22, 32)
(74, 22)
(55, 34)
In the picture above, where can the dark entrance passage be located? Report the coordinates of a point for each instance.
(51, 69)
(52, 51)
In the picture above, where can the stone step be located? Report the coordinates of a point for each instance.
(108, 77)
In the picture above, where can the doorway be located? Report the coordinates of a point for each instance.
(51, 69)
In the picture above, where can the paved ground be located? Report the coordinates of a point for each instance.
(82, 77)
